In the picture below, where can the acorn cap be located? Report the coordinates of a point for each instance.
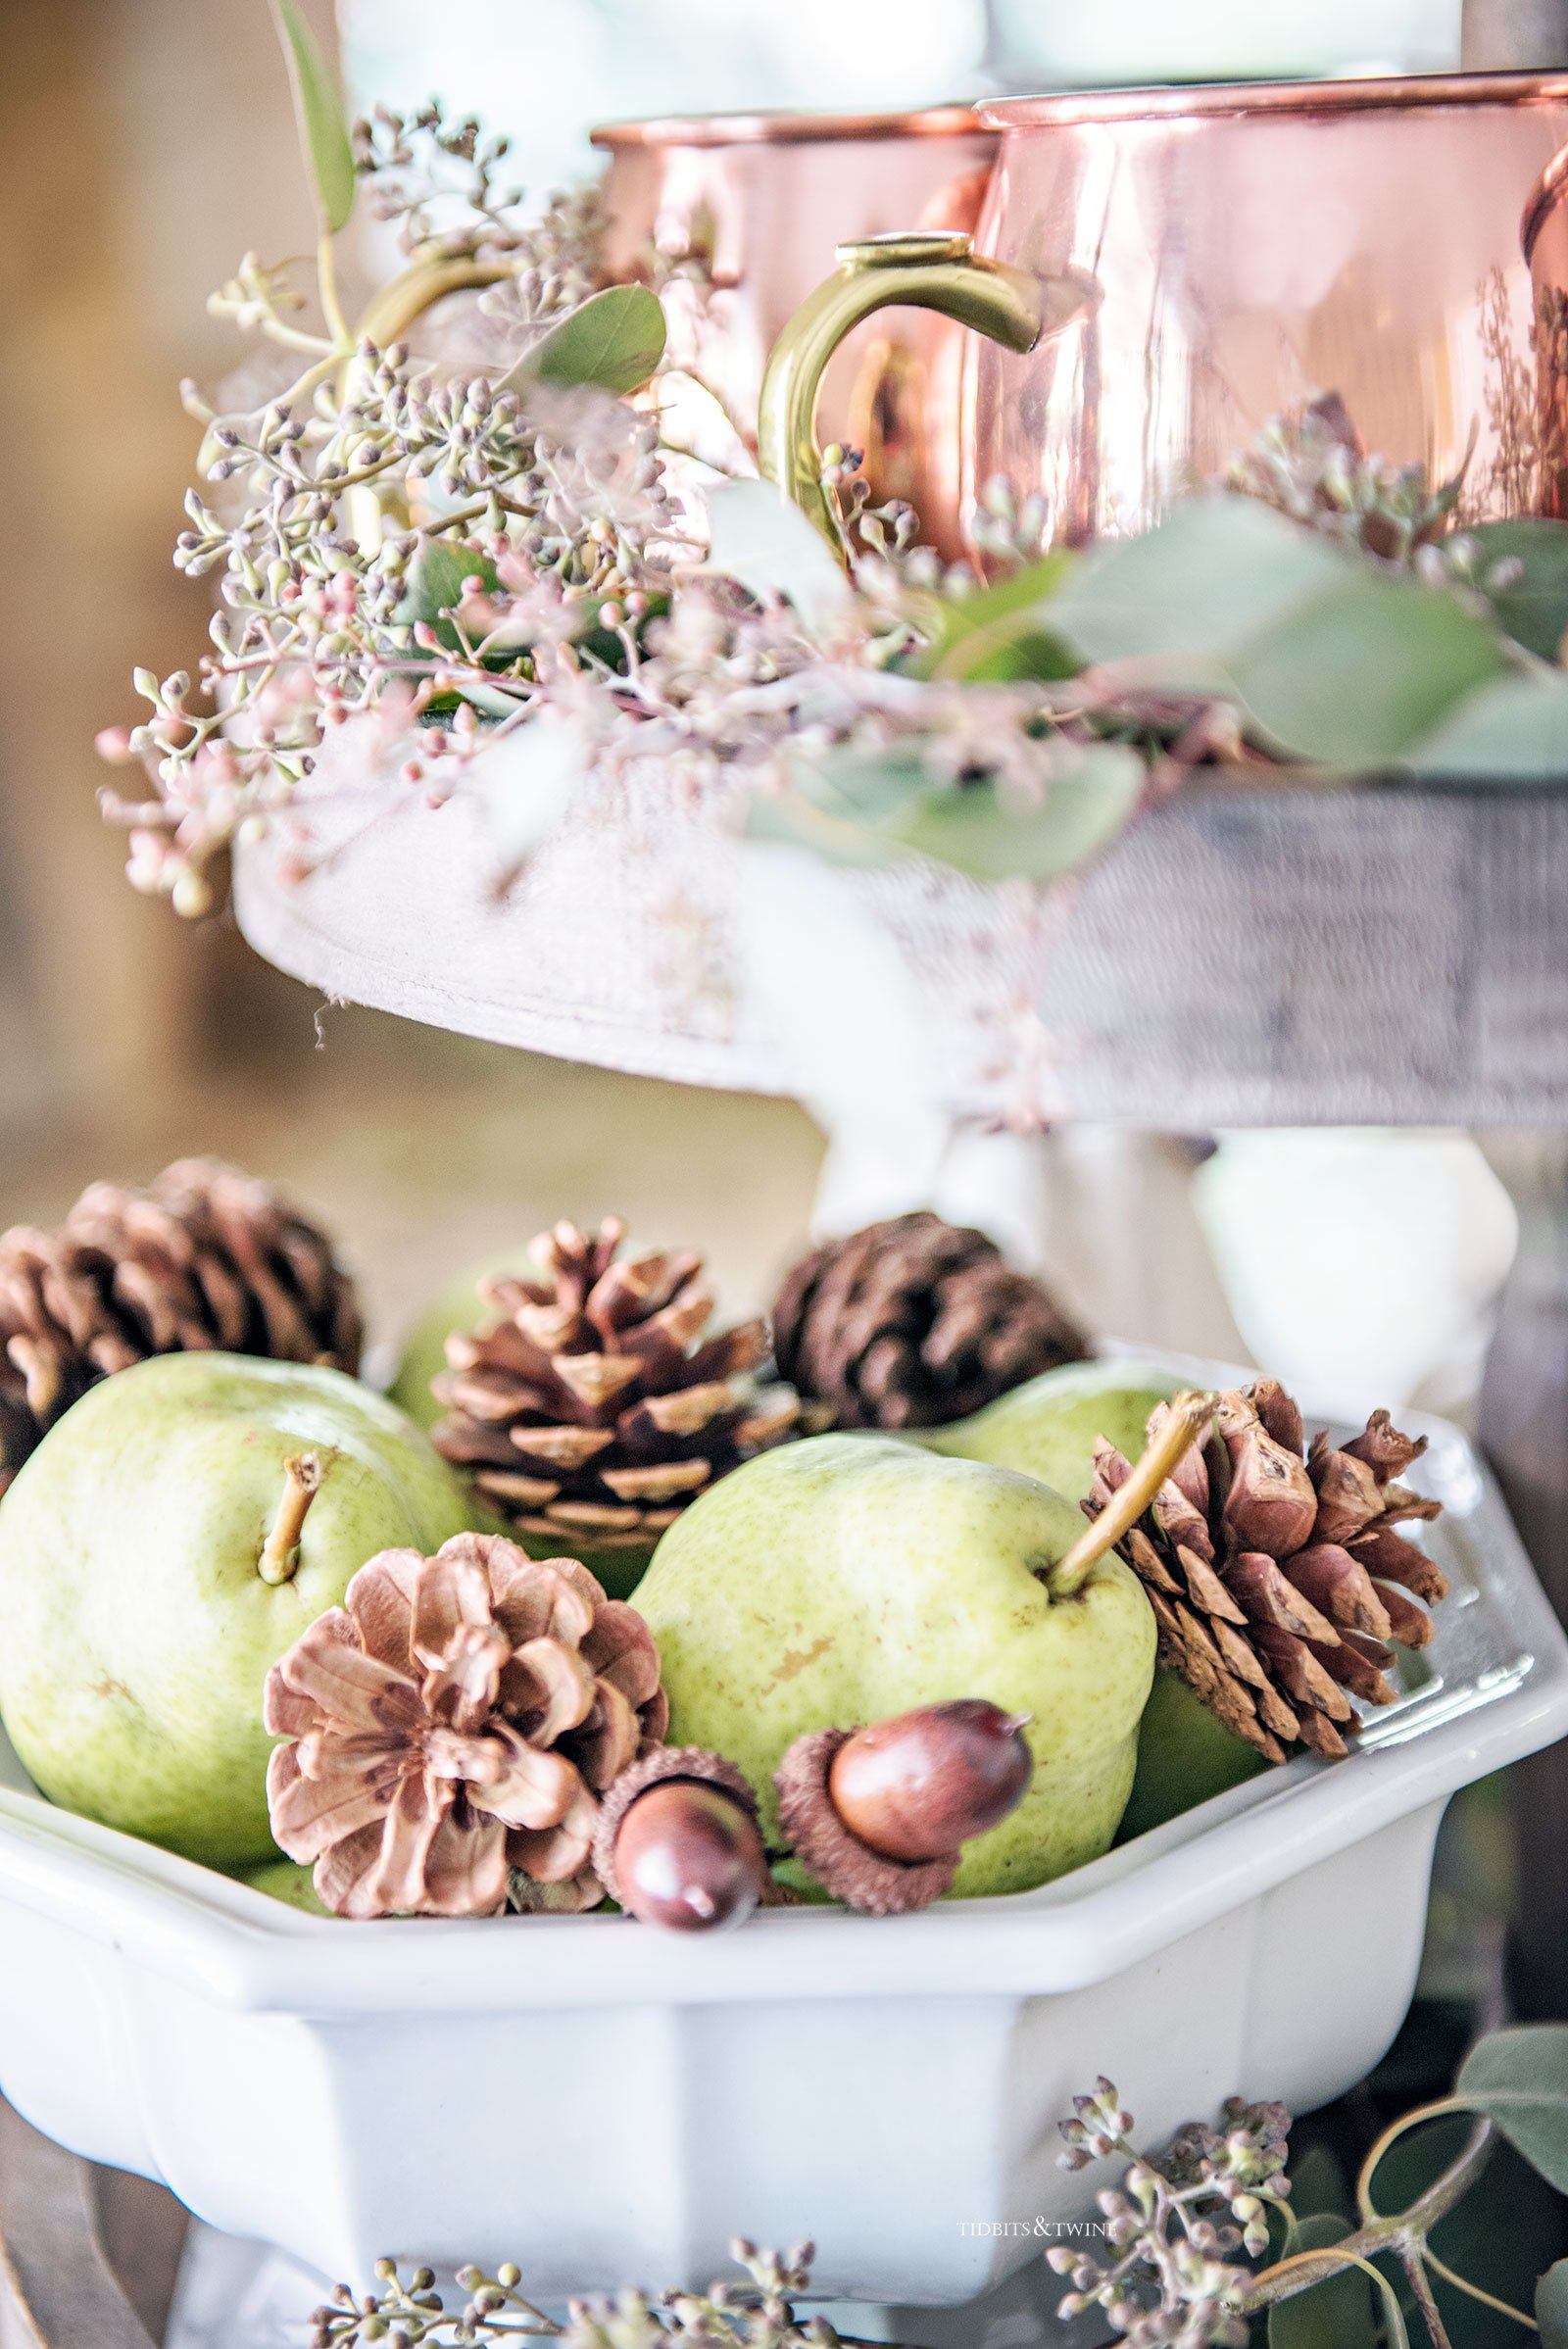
(651, 1769)
(841, 1862)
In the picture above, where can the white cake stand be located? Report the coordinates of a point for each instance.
(1241, 957)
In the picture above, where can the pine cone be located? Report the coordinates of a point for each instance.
(1279, 1583)
(594, 1409)
(456, 1719)
(206, 1258)
(914, 1323)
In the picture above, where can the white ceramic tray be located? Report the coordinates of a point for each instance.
(607, 2104)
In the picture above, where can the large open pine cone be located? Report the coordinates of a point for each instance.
(594, 1407)
(458, 1718)
(914, 1323)
(206, 1258)
(1279, 1583)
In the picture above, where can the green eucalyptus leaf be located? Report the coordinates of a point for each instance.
(1318, 2186)
(1003, 633)
(789, 819)
(318, 111)
(1339, 2313)
(1080, 812)
(1210, 577)
(1535, 607)
(1514, 729)
(1352, 678)
(876, 804)
(1335, 659)
(435, 586)
(1519, 2076)
(881, 789)
(1552, 2306)
(614, 341)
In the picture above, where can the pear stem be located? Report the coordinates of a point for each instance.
(280, 1551)
(1189, 1414)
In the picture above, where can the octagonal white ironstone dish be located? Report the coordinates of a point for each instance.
(606, 2103)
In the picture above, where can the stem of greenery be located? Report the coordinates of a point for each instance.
(1403, 2233)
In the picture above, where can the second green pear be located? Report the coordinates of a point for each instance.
(849, 1577)
(1046, 1427)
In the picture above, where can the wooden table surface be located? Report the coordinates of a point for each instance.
(87, 2256)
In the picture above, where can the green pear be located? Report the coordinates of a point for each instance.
(161, 1549)
(1184, 1756)
(286, 1880)
(457, 1307)
(1046, 1427)
(842, 1579)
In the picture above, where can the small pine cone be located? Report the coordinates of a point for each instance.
(205, 1259)
(451, 1729)
(595, 1407)
(1279, 1583)
(914, 1323)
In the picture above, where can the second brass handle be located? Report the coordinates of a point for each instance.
(926, 270)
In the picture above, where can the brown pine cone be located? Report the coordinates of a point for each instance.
(594, 1408)
(457, 1719)
(914, 1323)
(1280, 1585)
(205, 1259)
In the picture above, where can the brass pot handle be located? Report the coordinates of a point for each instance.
(926, 270)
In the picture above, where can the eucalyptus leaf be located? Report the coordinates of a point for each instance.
(1209, 578)
(758, 538)
(1080, 812)
(1520, 2078)
(1534, 608)
(1003, 634)
(318, 111)
(1513, 730)
(1354, 676)
(1339, 2313)
(614, 341)
(884, 802)
(435, 585)
(791, 821)
(1319, 2187)
(1334, 659)
(1552, 2307)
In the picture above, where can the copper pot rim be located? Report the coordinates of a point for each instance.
(1176, 102)
(1543, 201)
(784, 130)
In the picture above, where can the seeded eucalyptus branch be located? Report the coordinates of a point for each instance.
(758, 2313)
(1186, 2229)
(451, 522)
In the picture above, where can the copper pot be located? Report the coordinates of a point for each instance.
(1240, 249)
(757, 202)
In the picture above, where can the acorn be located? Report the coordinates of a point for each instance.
(678, 1844)
(918, 1787)
(879, 1815)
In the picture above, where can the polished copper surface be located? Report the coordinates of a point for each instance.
(1358, 95)
(1257, 245)
(781, 130)
(737, 218)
